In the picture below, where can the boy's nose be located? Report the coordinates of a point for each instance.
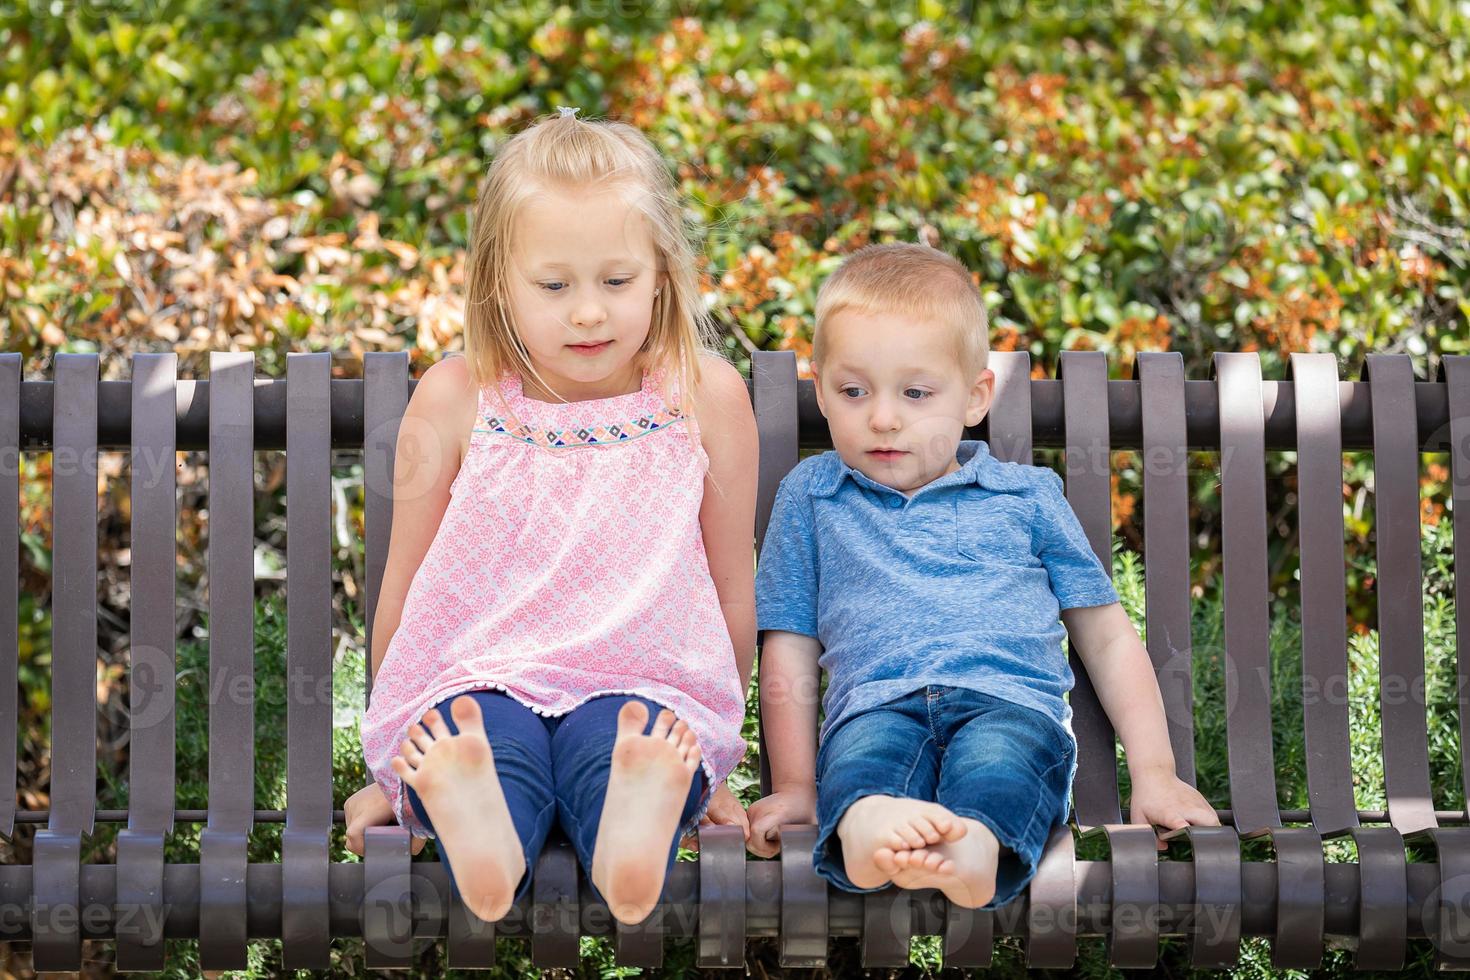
(883, 419)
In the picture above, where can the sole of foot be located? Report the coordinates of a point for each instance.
(454, 776)
(646, 790)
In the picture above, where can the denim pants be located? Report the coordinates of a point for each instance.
(1008, 766)
(554, 768)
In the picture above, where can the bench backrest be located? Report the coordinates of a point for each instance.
(1158, 412)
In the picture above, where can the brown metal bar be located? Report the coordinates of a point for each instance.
(1399, 587)
(57, 849)
(1051, 922)
(1125, 411)
(385, 398)
(222, 843)
(1166, 546)
(1008, 422)
(9, 583)
(151, 664)
(305, 845)
(1247, 655)
(1323, 593)
(1454, 372)
(773, 394)
(1089, 490)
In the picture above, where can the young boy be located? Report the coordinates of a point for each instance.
(927, 577)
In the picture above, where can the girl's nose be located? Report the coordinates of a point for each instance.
(589, 314)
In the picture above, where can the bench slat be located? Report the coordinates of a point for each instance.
(152, 662)
(1166, 546)
(1084, 377)
(1247, 653)
(1454, 372)
(1399, 587)
(74, 597)
(773, 397)
(305, 856)
(387, 938)
(1009, 418)
(231, 694)
(57, 849)
(9, 583)
(1323, 592)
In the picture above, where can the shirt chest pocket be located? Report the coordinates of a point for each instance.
(995, 529)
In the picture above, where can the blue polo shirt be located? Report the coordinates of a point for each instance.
(961, 584)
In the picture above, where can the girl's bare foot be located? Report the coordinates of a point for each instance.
(963, 869)
(891, 824)
(646, 791)
(454, 776)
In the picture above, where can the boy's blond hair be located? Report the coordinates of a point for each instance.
(564, 151)
(906, 279)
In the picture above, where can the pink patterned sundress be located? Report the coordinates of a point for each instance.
(569, 563)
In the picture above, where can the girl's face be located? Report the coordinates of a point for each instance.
(584, 270)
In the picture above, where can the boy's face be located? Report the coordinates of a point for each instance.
(893, 393)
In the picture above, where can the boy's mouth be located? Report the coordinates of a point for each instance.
(886, 454)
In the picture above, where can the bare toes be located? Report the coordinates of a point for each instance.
(466, 713)
(632, 717)
(885, 860)
(434, 722)
(662, 724)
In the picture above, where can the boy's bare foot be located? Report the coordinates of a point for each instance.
(963, 869)
(454, 776)
(893, 823)
(645, 797)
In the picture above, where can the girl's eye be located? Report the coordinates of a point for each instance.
(618, 282)
(922, 393)
(552, 287)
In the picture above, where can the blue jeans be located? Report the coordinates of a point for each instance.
(556, 767)
(1005, 765)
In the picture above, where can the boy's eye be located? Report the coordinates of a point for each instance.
(922, 393)
(851, 391)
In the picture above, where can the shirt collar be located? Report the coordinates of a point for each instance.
(977, 466)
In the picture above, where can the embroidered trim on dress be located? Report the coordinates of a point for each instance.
(579, 436)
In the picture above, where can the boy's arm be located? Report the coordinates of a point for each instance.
(1118, 666)
(1123, 676)
(790, 682)
(787, 584)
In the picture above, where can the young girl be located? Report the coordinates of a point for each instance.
(571, 613)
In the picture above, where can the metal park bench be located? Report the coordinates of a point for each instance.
(1299, 900)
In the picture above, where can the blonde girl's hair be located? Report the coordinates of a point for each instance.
(564, 151)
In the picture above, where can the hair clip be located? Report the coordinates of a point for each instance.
(568, 110)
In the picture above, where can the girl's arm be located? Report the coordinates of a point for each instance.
(727, 516)
(431, 437)
(434, 428)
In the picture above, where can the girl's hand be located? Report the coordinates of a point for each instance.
(1164, 800)
(724, 810)
(368, 807)
(769, 814)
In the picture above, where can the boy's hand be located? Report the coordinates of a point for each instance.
(769, 814)
(368, 807)
(725, 811)
(1164, 800)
